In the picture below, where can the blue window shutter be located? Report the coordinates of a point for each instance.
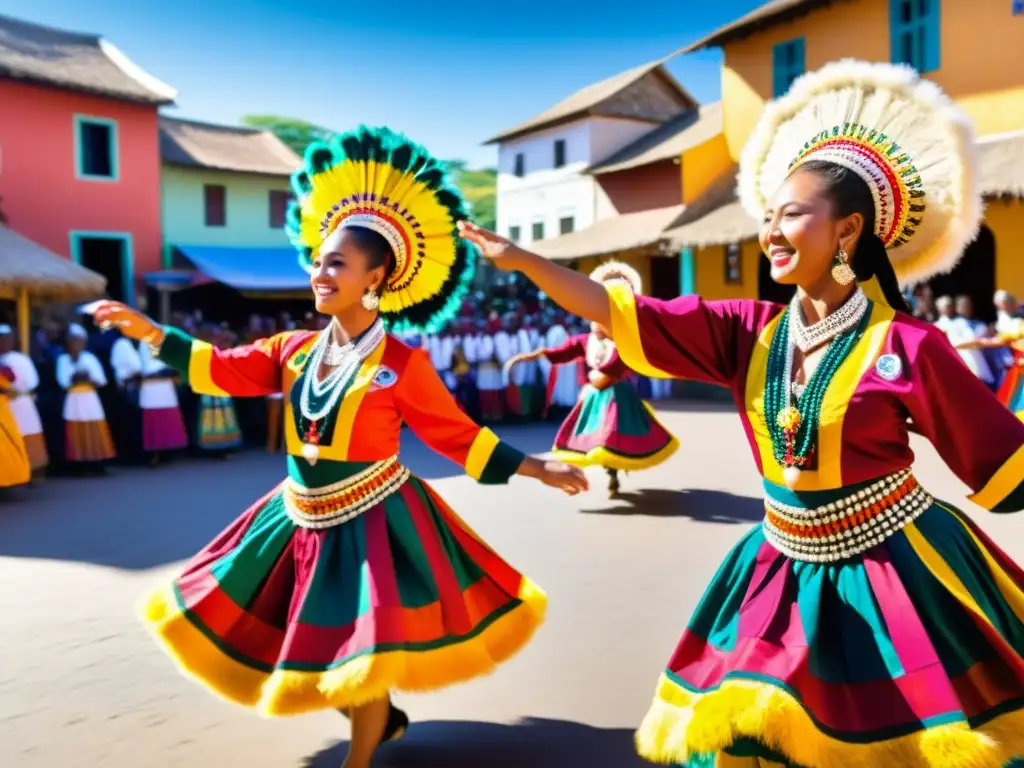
(895, 27)
(788, 63)
(799, 59)
(932, 21)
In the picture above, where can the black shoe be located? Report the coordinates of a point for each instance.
(396, 726)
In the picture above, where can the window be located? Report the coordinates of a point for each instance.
(95, 148)
(566, 224)
(520, 164)
(787, 65)
(733, 265)
(559, 153)
(514, 233)
(279, 200)
(1018, 7)
(914, 33)
(538, 230)
(215, 198)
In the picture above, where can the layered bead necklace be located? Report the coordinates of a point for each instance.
(318, 398)
(792, 413)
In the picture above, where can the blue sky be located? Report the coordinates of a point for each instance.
(449, 85)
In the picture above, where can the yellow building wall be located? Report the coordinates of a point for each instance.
(979, 60)
(702, 165)
(1006, 220)
(710, 272)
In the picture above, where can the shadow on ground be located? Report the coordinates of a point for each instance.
(531, 743)
(138, 518)
(706, 506)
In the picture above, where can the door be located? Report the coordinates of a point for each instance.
(974, 276)
(109, 257)
(665, 277)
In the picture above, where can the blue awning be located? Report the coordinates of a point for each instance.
(248, 269)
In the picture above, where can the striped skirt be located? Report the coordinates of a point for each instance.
(289, 619)
(908, 655)
(615, 429)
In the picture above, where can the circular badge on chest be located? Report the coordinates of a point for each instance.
(384, 378)
(889, 367)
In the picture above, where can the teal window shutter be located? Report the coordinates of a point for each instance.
(915, 33)
(788, 63)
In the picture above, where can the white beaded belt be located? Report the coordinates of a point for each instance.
(849, 526)
(334, 504)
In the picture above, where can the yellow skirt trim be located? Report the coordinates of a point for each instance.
(602, 457)
(681, 724)
(364, 679)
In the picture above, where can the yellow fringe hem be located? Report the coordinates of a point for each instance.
(602, 457)
(681, 724)
(283, 693)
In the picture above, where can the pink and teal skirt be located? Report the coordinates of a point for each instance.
(615, 429)
(287, 620)
(1011, 391)
(910, 656)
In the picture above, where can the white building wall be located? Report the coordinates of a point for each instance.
(547, 194)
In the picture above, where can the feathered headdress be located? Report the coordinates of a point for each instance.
(378, 179)
(616, 270)
(899, 133)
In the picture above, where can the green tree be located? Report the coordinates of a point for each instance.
(297, 134)
(479, 188)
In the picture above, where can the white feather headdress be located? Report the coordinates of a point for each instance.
(899, 133)
(616, 270)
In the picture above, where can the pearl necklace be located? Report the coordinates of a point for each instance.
(808, 337)
(347, 358)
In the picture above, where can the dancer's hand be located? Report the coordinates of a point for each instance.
(503, 252)
(557, 474)
(130, 322)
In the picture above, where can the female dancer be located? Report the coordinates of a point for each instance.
(352, 578)
(610, 426)
(863, 622)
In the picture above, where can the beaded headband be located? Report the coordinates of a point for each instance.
(378, 224)
(900, 134)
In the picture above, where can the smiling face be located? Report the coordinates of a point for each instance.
(800, 233)
(343, 271)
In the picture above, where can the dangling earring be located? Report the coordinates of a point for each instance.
(370, 300)
(842, 273)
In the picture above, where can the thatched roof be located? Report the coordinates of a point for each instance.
(768, 15)
(716, 217)
(26, 264)
(617, 234)
(588, 100)
(75, 62)
(195, 144)
(1002, 164)
(666, 142)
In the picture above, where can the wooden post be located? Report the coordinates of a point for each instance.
(24, 331)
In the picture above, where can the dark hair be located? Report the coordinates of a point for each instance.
(849, 193)
(378, 251)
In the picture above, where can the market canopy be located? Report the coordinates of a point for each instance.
(27, 266)
(248, 269)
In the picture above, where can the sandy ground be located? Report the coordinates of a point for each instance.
(82, 685)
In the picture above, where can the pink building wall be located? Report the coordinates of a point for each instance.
(42, 197)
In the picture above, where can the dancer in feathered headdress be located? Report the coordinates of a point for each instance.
(311, 599)
(862, 623)
(610, 426)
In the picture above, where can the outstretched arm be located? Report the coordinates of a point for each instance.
(251, 370)
(431, 412)
(571, 290)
